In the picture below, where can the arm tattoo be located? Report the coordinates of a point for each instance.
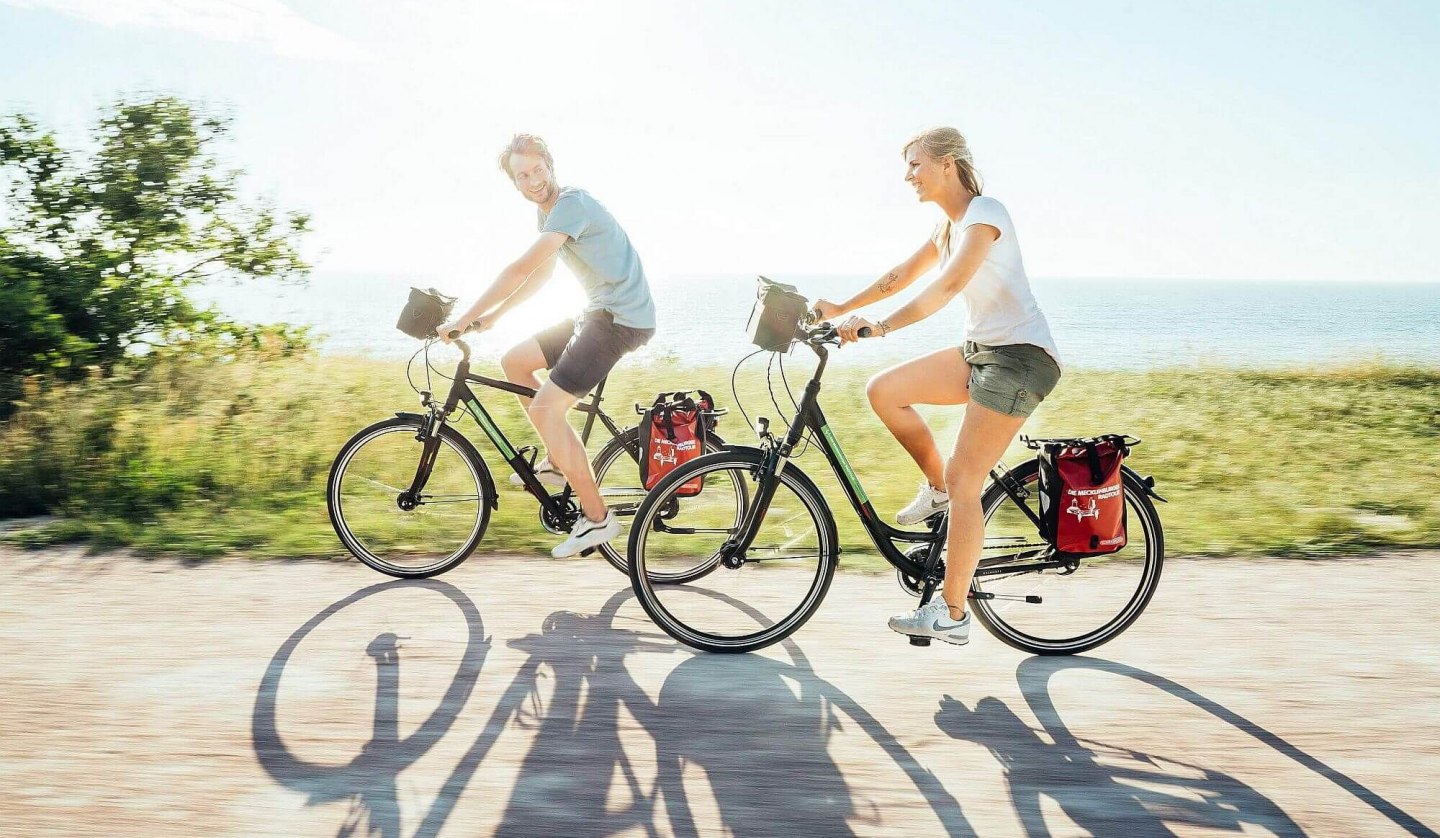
(888, 282)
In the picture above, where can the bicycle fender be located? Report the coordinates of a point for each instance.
(1147, 482)
(485, 479)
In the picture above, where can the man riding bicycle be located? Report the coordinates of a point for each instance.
(619, 318)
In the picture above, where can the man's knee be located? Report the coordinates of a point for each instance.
(516, 364)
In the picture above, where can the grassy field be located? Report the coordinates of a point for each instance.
(205, 460)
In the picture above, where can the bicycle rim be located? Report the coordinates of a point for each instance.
(787, 571)
(617, 474)
(366, 483)
(1078, 610)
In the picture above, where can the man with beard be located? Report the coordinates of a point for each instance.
(618, 318)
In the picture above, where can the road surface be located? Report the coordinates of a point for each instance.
(529, 697)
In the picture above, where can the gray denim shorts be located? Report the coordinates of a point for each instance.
(1012, 379)
(577, 360)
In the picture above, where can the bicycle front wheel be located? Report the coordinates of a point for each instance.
(400, 536)
(751, 600)
(617, 475)
(1081, 606)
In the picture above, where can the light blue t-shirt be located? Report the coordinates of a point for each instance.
(601, 257)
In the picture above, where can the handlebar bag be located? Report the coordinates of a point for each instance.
(424, 312)
(778, 310)
(673, 432)
(1082, 501)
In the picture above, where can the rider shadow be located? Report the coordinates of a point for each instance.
(1108, 789)
(757, 728)
(369, 780)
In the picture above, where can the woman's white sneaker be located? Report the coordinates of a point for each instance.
(928, 502)
(933, 620)
(586, 534)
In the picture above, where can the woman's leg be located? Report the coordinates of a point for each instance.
(984, 436)
(938, 378)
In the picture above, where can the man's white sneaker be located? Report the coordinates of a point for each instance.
(586, 534)
(933, 620)
(547, 473)
(927, 503)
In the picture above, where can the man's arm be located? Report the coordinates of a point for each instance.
(527, 289)
(511, 279)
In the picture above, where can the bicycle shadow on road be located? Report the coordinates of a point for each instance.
(749, 734)
(762, 749)
(1109, 789)
(369, 780)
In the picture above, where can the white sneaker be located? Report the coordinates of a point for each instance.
(933, 620)
(927, 503)
(547, 473)
(586, 534)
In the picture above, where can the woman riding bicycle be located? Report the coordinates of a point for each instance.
(1004, 366)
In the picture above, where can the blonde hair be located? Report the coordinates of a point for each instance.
(948, 144)
(525, 144)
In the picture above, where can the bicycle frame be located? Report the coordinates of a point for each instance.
(809, 417)
(558, 507)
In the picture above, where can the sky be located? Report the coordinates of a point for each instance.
(1224, 140)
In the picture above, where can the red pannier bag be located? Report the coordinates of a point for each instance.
(673, 433)
(1082, 501)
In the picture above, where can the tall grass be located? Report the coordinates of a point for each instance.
(206, 459)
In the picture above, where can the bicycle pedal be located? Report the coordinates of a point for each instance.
(587, 551)
(919, 641)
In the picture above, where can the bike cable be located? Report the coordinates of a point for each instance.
(786, 381)
(734, 391)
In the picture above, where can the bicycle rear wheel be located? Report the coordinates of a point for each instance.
(1081, 606)
(754, 600)
(617, 474)
(380, 527)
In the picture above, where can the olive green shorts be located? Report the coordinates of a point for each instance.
(1012, 379)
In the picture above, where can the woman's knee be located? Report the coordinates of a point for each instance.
(880, 391)
(964, 480)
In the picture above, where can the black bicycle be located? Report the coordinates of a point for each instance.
(780, 559)
(410, 496)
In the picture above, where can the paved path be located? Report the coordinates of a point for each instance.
(527, 697)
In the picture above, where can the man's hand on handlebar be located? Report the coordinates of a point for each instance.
(452, 330)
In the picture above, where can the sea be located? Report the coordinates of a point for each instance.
(1111, 324)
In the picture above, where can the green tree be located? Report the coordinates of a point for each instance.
(98, 250)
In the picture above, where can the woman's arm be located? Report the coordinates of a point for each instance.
(979, 238)
(901, 277)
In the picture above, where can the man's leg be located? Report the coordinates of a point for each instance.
(520, 364)
(538, 352)
(548, 412)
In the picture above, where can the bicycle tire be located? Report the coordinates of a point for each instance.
(747, 461)
(409, 423)
(1142, 513)
(623, 452)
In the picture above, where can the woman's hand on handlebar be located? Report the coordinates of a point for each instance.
(850, 329)
(826, 310)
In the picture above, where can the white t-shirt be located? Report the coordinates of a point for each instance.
(1000, 306)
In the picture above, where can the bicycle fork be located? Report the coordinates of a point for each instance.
(429, 437)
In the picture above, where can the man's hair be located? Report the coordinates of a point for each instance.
(525, 144)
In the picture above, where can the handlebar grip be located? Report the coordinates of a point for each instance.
(864, 332)
(454, 333)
